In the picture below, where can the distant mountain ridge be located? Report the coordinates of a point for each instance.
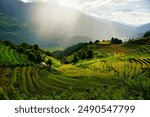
(143, 28)
(57, 31)
(12, 7)
(13, 30)
(140, 30)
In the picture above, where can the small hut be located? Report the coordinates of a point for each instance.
(43, 65)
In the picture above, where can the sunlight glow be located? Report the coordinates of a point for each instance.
(34, 0)
(52, 19)
(132, 12)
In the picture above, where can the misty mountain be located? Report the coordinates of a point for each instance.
(14, 30)
(52, 24)
(72, 23)
(77, 39)
(12, 7)
(143, 28)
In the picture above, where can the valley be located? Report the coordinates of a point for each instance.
(109, 74)
(82, 51)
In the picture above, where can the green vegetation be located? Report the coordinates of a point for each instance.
(108, 69)
(84, 71)
(11, 58)
(116, 41)
(147, 34)
(13, 29)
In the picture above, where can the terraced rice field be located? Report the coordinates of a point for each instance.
(10, 56)
(120, 62)
(32, 82)
(27, 82)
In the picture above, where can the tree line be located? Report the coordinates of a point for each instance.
(33, 52)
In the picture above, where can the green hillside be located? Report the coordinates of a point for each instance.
(15, 30)
(32, 66)
(109, 61)
(10, 57)
(12, 29)
(111, 71)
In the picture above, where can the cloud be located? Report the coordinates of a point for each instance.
(133, 12)
(37, 0)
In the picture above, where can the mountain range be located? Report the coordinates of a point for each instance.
(55, 25)
(143, 28)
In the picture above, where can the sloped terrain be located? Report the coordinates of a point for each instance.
(10, 57)
(114, 72)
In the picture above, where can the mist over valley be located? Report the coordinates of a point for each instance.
(53, 25)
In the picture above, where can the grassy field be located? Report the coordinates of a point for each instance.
(115, 72)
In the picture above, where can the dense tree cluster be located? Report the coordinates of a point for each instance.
(49, 62)
(96, 42)
(116, 41)
(146, 34)
(140, 41)
(90, 42)
(82, 54)
(33, 52)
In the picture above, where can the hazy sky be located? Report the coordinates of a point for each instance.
(134, 12)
